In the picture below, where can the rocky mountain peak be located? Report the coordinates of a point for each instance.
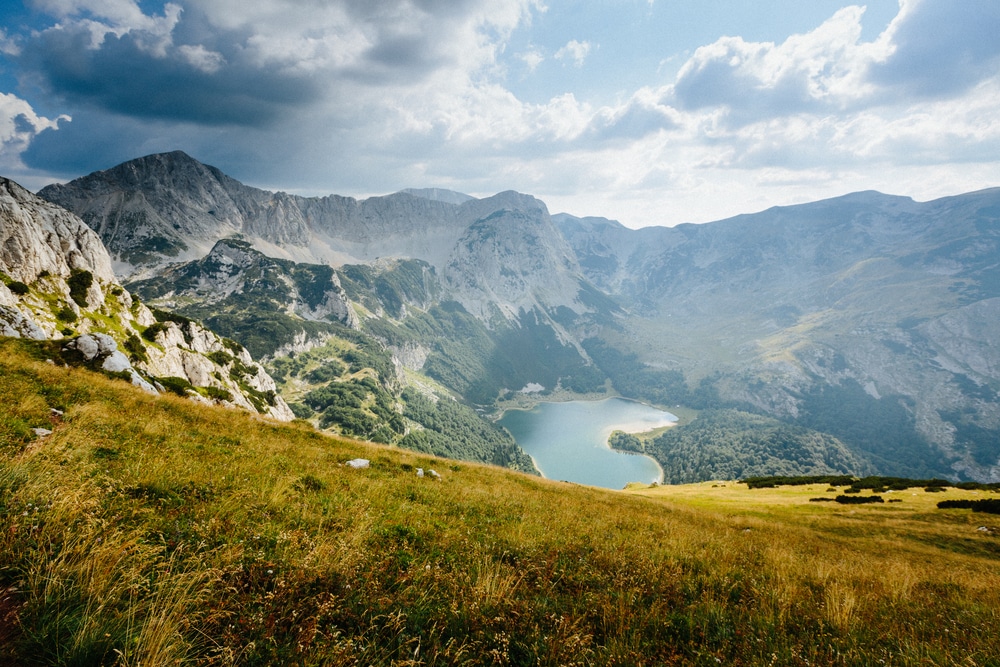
(167, 207)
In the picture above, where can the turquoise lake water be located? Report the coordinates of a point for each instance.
(569, 441)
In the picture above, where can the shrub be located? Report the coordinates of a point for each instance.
(989, 506)
(858, 500)
(135, 348)
(301, 411)
(18, 288)
(220, 357)
(177, 385)
(79, 282)
(153, 330)
(216, 393)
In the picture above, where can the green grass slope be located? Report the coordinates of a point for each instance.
(155, 531)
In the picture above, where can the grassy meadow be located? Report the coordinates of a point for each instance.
(156, 531)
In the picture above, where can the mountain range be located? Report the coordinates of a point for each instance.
(867, 319)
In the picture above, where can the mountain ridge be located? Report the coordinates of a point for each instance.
(876, 299)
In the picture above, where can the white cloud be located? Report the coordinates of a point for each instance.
(8, 46)
(117, 17)
(201, 58)
(531, 58)
(18, 126)
(824, 70)
(357, 96)
(575, 52)
(939, 48)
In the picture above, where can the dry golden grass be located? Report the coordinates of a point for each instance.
(149, 531)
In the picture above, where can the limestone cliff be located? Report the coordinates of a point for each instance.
(58, 283)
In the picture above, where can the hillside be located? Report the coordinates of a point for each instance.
(154, 530)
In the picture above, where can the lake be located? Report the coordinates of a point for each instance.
(569, 441)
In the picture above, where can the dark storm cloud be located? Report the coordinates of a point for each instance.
(95, 141)
(124, 76)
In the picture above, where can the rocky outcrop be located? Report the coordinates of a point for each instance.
(233, 267)
(58, 283)
(102, 351)
(38, 237)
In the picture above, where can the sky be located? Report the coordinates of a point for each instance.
(651, 112)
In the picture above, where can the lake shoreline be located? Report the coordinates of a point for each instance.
(594, 421)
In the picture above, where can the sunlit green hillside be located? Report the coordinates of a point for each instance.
(151, 530)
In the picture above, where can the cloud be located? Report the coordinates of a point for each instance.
(532, 58)
(223, 62)
(575, 52)
(820, 71)
(19, 125)
(363, 97)
(640, 116)
(940, 48)
(932, 48)
(203, 60)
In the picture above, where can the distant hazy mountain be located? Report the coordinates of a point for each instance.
(438, 194)
(888, 308)
(501, 252)
(868, 317)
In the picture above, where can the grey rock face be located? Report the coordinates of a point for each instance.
(37, 237)
(16, 324)
(92, 346)
(41, 245)
(515, 260)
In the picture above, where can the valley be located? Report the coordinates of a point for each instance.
(232, 443)
(861, 325)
